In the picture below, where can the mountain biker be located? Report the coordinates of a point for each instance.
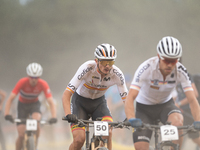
(29, 88)
(88, 87)
(151, 87)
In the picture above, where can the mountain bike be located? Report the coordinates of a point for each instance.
(30, 133)
(165, 134)
(101, 128)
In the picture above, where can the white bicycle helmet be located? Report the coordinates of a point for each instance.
(169, 47)
(105, 51)
(34, 70)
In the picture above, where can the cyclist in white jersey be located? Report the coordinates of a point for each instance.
(151, 87)
(88, 87)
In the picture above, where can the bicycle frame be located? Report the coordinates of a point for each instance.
(96, 141)
(159, 145)
(97, 137)
(30, 133)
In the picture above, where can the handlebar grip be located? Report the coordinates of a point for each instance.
(64, 118)
(127, 123)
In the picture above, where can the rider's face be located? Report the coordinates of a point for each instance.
(33, 80)
(167, 65)
(105, 65)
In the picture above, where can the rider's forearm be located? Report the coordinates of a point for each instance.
(8, 103)
(129, 103)
(52, 107)
(129, 110)
(195, 110)
(66, 101)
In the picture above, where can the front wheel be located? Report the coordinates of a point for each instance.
(102, 148)
(30, 144)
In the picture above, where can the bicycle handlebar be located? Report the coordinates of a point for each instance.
(113, 124)
(18, 120)
(188, 128)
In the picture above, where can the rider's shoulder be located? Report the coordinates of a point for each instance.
(89, 63)
(180, 67)
(149, 63)
(115, 68)
(24, 79)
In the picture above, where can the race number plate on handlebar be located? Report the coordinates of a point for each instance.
(169, 132)
(101, 128)
(31, 125)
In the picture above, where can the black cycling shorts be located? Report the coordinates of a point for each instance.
(26, 109)
(84, 108)
(151, 114)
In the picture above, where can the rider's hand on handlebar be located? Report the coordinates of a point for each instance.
(197, 125)
(126, 122)
(9, 118)
(135, 122)
(53, 120)
(72, 118)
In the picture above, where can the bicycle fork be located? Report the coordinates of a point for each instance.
(87, 135)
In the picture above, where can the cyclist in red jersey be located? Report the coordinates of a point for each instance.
(29, 88)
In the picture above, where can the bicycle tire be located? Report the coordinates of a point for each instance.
(30, 143)
(102, 148)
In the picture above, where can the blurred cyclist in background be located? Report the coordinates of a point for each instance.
(151, 87)
(182, 103)
(116, 107)
(29, 88)
(2, 139)
(88, 87)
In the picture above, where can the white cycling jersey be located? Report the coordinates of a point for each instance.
(152, 88)
(88, 83)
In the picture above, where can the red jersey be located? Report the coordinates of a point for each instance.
(29, 94)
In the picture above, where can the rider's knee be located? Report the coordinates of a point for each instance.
(176, 119)
(21, 136)
(79, 140)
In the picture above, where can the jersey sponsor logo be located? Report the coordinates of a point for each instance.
(155, 82)
(154, 87)
(172, 75)
(94, 77)
(119, 75)
(84, 72)
(123, 94)
(141, 71)
(71, 86)
(185, 73)
(106, 79)
(96, 85)
(171, 82)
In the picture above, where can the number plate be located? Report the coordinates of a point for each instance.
(101, 128)
(169, 133)
(31, 125)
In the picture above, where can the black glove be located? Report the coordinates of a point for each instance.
(135, 122)
(197, 125)
(53, 120)
(9, 118)
(126, 122)
(72, 118)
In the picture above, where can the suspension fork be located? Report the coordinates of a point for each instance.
(87, 136)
